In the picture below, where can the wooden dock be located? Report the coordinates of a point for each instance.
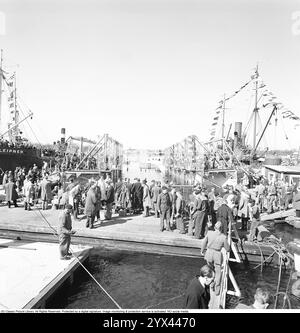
(131, 232)
(30, 272)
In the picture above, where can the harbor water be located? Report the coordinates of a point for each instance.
(150, 281)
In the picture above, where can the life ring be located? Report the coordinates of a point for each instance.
(294, 247)
(295, 289)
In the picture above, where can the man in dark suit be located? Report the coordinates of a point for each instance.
(110, 197)
(90, 205)
(137, 196)
(197, 295)
(224, 214)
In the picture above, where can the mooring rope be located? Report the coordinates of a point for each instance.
(99, 285)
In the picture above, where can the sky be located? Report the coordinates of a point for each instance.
(149, 72)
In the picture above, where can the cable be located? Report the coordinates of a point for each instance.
(261, 256)
(278, 284)
(55, 233)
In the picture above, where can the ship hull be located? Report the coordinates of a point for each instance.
(12, 158)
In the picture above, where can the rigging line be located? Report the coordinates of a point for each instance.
(249, 121)
(99, 285)
(18, 104)
(263, 138)
(4, 306)
(287, 287)
(29, 125)
(282, 124)
(23, 102)
(278, 284)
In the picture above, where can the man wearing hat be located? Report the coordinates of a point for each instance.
(224, 212)
(64, 232)
(215, 241)
(90, 205)
(164, 205)
(202, 211)
(193, 204)
(110, 197)
(11, 192)
(146, 198)
(179, 204)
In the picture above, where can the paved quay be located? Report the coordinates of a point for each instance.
(31, 271)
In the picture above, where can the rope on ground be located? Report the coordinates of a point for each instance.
(99, 285)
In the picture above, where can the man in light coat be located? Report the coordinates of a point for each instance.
(46, 193)
(214, 241)
(28, 191)
(11, 193)
(156, 190)
(146, 198)
(243, 210)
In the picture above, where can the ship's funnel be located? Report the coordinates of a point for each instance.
(63, 135)
(237, 133)
(238, 129)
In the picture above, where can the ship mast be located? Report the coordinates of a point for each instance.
(255, 111)
(1, 77)
(223, 122)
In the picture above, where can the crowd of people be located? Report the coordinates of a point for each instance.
(5, 144)
(202, 209)
(209, 212)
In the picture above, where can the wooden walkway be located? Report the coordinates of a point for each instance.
(31, 271)
(132, 231)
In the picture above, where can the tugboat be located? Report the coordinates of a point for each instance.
(15, 150)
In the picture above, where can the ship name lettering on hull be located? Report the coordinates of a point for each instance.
(14, 151)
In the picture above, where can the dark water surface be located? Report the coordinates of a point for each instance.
(143, 280)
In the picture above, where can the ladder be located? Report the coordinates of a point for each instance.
(219, 302)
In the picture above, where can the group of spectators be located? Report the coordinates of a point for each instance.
(68, 161)
(15, 145)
